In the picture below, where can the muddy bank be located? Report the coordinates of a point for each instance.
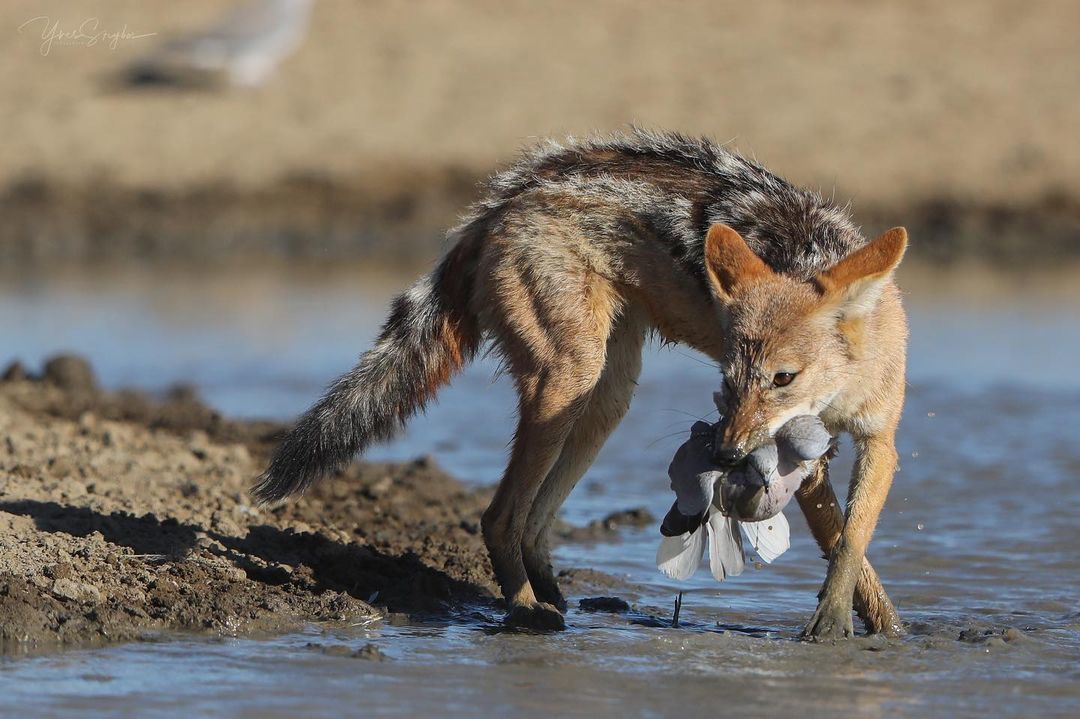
(396, 215)
(401, 216)
(121, 515)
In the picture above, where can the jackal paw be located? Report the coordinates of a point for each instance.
(832, 620)
(548, 592)
(540, 615)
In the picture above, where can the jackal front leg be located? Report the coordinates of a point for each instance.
(826, 520)
(874, 467)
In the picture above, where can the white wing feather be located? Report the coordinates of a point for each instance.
(679, 557)
(725, 546)
(770, 537)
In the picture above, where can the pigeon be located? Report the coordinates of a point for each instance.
(713, 504)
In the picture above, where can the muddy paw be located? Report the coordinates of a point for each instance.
(830, 621)
(541, 616)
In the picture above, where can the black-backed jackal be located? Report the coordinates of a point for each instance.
(574, 256)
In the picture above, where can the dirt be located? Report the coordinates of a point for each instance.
(123, 514)
(956, 119)
(605, 529)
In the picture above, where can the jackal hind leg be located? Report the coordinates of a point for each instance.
(551, 402)
(605, 408)
(551, 322)
(826, 520)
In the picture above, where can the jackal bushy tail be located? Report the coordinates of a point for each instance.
(430, 334)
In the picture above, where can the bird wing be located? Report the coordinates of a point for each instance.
(679, 557)
(725, 546)
(770, 537)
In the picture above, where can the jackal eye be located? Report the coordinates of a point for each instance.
(783, 379)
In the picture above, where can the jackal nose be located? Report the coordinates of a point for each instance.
(727, 457)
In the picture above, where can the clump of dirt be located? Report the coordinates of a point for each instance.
(610, 605)
(606, 529)
(121, 514)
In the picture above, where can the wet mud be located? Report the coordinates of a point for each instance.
(122, 514)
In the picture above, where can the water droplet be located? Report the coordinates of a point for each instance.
(915, 454)
(832, 504)
(919, 526)
(931, 414)
(819, 505)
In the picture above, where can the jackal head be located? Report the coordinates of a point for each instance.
(790, 346)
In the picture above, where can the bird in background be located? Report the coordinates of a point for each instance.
(243, 48)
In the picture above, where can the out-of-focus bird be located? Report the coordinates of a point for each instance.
(243, 48)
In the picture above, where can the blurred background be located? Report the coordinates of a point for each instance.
(344, 129)
(226, 195)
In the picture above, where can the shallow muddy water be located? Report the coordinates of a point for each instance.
(979, 535)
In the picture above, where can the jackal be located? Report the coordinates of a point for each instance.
(574, 256)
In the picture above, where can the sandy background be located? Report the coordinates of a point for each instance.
(389, 112)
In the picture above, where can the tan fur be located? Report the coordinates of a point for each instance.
(608, 402)
(818, 502)
(847, 340)
(868, 263)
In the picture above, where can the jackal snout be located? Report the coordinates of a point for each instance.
(737, 435)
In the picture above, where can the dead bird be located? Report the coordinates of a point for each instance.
(714, 502)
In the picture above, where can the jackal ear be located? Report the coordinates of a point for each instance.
(854, 283)
(729, 261)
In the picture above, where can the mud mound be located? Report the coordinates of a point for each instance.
(122, 514)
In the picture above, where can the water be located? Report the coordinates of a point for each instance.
(979, 530)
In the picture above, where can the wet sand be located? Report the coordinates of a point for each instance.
(401, 217)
